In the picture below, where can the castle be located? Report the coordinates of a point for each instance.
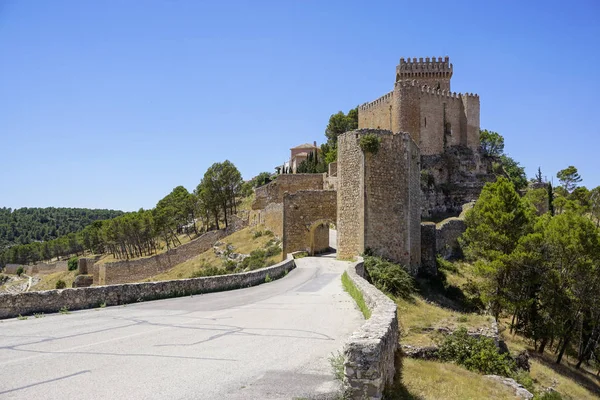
(423, 105)
(427, 164)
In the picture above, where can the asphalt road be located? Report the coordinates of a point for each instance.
(271, 341)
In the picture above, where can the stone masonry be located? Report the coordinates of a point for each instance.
(370, 352)
(378, 198)
(306, 218)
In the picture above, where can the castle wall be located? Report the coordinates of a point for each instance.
(378, 198)
(273, 191)
(303, 213)
(350, 196)
(378, 113)
(143, 268)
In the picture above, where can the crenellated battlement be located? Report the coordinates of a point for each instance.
(386, 97)
(424, 68)
(446, 93)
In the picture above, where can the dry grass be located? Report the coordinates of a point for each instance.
(243, 242)
(445, 381)
(570, 382)
(419, 320)
(48, 281)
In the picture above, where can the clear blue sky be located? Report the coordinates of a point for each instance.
(111, 104)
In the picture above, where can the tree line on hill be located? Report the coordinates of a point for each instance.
(142, 233)
(538, 252)
(28, 225)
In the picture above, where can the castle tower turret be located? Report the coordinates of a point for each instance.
(434, 72)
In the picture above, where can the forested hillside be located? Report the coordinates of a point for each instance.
(27, 225)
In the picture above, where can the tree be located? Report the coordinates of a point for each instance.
(340, 123)
(494, 225)
(595, 204)
(492, 143)
(511, 169)
(569, 178)
(538, 176)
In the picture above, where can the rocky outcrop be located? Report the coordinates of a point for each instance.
(519, 389)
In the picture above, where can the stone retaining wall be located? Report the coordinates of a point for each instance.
(49, 301)
(135, 270)
(370, 352)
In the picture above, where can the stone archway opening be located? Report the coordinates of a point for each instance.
(319, 237)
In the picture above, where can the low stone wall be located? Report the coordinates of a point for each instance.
(39, 268)
(49, 301)
(143, 268)
(370, 352)
(447, 233)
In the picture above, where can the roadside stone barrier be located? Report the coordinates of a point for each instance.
(49, 301)
(370, 352)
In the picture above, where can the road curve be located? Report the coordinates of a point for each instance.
(266, 342)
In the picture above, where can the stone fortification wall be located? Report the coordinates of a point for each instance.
(304, 212)
(377, 114)
(378, 198)
(440, 239)
(48, 301)
(271, 217)
(370, 352)
(447, 233)
(136, 270)
(423, 105)
(273, 191)
(428, 249)
(39, 268)
(350, 197)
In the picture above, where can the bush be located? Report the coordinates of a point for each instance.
(273, 251)
(60, 284)
(476, 354)
(72, 263)
(3, 278)
(369, 143)
(257, 234)
(20, 271)
(229, 265)
(389, 277)
(268, 278)
(523, 377)
(445, 265)
(550, 395)
(256, 260)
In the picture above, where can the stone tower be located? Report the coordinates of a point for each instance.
(435, 73)
(378, 197)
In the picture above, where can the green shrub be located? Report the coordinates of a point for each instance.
(445, 265)
(72, 263)
(389, 277)
(337, 365)
(550, 395)
(229, 265)
(523, 377)
(369, 143)
(64, 310)
(476, 354)
(273, 251)
(3, 278)
(210, 271)
(257, 234)
(60, 284)
(268, 278)
(20, 270)
(256, 260)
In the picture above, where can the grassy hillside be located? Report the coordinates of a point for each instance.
(244, 241)
(422, 315)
